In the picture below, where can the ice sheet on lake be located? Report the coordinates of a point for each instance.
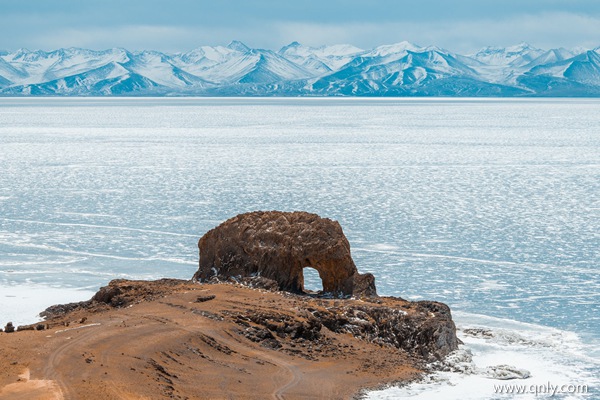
(21, 304)
(492, 206)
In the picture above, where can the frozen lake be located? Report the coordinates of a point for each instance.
(491, 206)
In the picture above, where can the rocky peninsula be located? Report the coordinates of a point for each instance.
(243, 328)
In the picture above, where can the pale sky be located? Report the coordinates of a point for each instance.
(462, 26)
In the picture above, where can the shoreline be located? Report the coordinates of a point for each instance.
(178, 341)
(536, 348)
(22, 303)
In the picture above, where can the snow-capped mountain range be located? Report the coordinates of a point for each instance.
(401, 69)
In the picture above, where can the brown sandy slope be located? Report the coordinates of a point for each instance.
(176, 341)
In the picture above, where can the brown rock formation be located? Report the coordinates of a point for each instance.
(423, 329)
(156, 340)
(279, 245)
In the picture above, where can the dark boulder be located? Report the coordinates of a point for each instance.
(9, 328)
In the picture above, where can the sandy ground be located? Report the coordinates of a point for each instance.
(175, 346)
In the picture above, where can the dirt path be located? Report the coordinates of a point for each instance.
(296, 378)
(74, 339)
(286, 370)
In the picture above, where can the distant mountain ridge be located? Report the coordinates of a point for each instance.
(401, 69)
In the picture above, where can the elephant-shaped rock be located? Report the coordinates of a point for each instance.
(278, 245)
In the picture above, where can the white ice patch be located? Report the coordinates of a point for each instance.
(21, 304)
(381, 247)
(500, 352)
(492, 285)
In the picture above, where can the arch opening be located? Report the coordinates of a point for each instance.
(312, 280)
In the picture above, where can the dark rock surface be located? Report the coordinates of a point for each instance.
(278, 246)
(301, 324)
(423, 329)
(9, 328)
(117, 294)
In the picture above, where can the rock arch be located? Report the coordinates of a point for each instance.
(278, 245)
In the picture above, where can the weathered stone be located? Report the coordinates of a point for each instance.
(121, 293)
(118, 293)
(506, 372)
(107, 294)
(25, 328)
(260, 282)
(279, 245)
(202, 299)
(63, 309)
(9, 328)
(424, 328)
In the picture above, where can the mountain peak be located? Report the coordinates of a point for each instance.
(395, 69)
(523, 45)
(520, 48)
(401, 47)
(22, 52)
(239, 46)
(292, 46)
(517, 55)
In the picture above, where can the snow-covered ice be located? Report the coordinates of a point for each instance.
(22, 303)
(551, 358)
(492, 206)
